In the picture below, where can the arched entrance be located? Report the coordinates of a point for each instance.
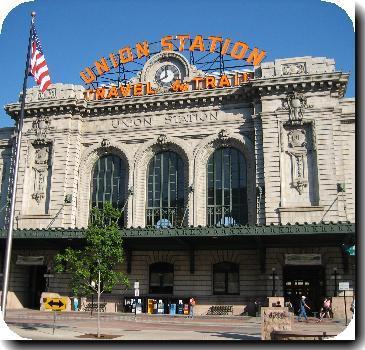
(304, 280)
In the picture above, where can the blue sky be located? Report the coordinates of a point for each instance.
(76, 33)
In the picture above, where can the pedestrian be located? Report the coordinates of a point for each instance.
(192, 305)
(302, 311)
(325, 309)
(352, 308)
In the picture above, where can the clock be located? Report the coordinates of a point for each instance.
(166, 74)
(164, 68)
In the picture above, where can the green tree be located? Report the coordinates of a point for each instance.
(101, 253)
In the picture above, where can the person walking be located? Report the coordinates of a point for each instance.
(326, 309)
(192, 305)
(302, 311)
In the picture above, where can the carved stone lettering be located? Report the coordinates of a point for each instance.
(293, 68)
(48, 94)
(275, 319)
(172, 119)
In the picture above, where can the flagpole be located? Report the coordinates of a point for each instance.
(15, 180)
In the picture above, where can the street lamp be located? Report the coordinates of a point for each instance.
(136, 294)
(273, 277)
(335, 276)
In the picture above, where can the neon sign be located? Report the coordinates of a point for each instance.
(237, 50)
(140, 89)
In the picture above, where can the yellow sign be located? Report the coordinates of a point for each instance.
(55, 304)
(197, 83)
(238, 50)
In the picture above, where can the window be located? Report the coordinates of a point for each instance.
(165, 190)
(161, 278)
(226, 188)
(225, 278)
(108, 182)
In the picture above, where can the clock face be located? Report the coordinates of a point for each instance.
(167, 74)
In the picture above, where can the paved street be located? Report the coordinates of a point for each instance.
(81, 326)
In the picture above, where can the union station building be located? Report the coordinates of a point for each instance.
(230, 193)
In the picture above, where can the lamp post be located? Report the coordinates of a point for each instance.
(274, 274)
(335, 276)
(136, 294)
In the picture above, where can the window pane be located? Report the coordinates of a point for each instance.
(226, 187)
(108, 182)
(161, 278)
(232, 285)
(226, 278)
(165, 194)
(219, 282)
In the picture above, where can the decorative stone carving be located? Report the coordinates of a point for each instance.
(105, 143)
(295, 103)
(297, 138)
(162, 141)
(40, 170)
(39, 182)
(297, 149)
(222, 139)
(41, 156)
(41, 127)
(293, 68)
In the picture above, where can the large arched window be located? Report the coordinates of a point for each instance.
(109, 182)
(226, 278)
(161, 278)
(165, 190)
(226, 187)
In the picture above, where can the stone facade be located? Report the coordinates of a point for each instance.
(291, 122)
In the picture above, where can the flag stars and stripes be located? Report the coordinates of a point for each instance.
(38, 65)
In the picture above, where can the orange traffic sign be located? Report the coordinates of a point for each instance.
(55, 304)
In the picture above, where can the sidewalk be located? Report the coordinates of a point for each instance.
(77, 325)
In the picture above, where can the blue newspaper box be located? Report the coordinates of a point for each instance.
(172, 309)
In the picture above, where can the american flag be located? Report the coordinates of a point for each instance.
(38, 65)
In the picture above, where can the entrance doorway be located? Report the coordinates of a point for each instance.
(304, 280)
(36, 285)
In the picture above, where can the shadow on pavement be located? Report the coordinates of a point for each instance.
(35, 326)
(232, 336)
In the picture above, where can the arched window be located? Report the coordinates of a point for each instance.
(226, 187)
(109, 182)
(161, 278)
(226, 278)
(165, 190)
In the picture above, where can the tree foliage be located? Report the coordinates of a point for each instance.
(102, 251)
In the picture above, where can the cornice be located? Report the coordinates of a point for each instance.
(247, 92)
(166, 101)
(246, 230)
(47, 107)
(170, 101)
(335, 81)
